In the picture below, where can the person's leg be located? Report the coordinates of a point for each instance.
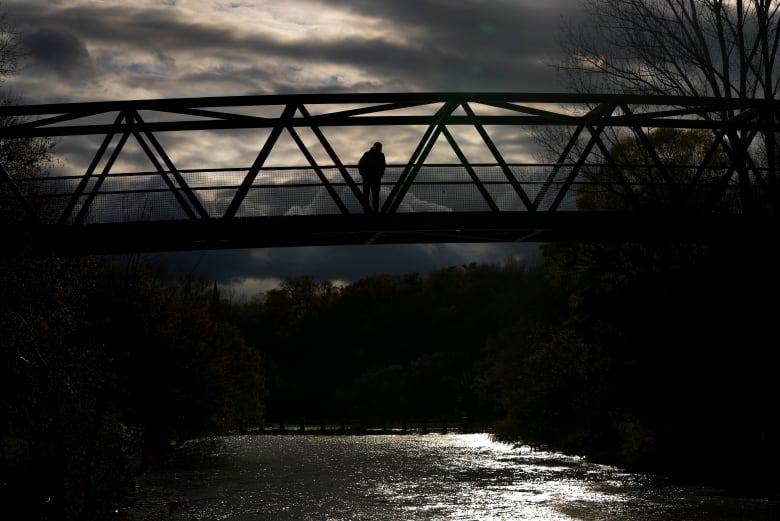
(375, 189)
(366, 190)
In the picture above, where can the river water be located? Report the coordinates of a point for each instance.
(414, 477)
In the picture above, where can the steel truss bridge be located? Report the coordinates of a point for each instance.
(280, 170)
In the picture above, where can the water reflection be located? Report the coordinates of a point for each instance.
(456, 476)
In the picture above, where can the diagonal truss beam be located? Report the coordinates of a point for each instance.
(500, 159)
(85, 207)
(740, 157)
(183, 187)
(70, 206)
(246, 184)
(617, 171)
(335, 158)
(419, 155)
(474, 177)
(674, 188)
(320, 174)
(598, 113)
(595, 137)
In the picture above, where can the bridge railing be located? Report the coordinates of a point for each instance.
(287, 191)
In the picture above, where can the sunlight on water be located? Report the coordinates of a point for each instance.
(459, 477)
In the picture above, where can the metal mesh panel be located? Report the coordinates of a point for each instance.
(440, 197)
(215, 201)
(131, 207)
(213, 178)
(142, 196)
(287, 200)
(438, 174)
(505, 197)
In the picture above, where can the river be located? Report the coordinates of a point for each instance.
(413, 477)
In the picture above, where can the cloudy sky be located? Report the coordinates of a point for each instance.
(91, 50)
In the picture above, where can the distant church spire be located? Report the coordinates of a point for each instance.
(214, 296)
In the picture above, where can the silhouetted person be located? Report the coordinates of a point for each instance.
(372, 168)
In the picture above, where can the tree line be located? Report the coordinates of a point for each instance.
(387, 350)
(105, 367)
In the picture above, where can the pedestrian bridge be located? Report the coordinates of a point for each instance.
(280, 170)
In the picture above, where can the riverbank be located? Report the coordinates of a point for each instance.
(362, 429)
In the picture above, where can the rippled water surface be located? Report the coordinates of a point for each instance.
(456, 476)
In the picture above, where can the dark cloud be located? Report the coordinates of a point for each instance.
(429, 45)
(495, 28)
(346, 263)
(57, 50)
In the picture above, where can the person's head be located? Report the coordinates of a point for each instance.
(378, 145)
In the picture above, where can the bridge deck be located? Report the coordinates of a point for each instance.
(481, 227)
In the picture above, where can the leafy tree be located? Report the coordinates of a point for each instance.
(689, 377)
(72, 418)
(23, 159)
(9, 47)
(678, 325)
(383, 396)
(64, 452)
(553, 387)
(389, 348)
(666, 312)
(180, 372)
(697, 190)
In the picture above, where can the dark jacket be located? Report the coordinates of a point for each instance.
(372, 165)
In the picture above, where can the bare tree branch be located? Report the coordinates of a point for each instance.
(676, 47)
